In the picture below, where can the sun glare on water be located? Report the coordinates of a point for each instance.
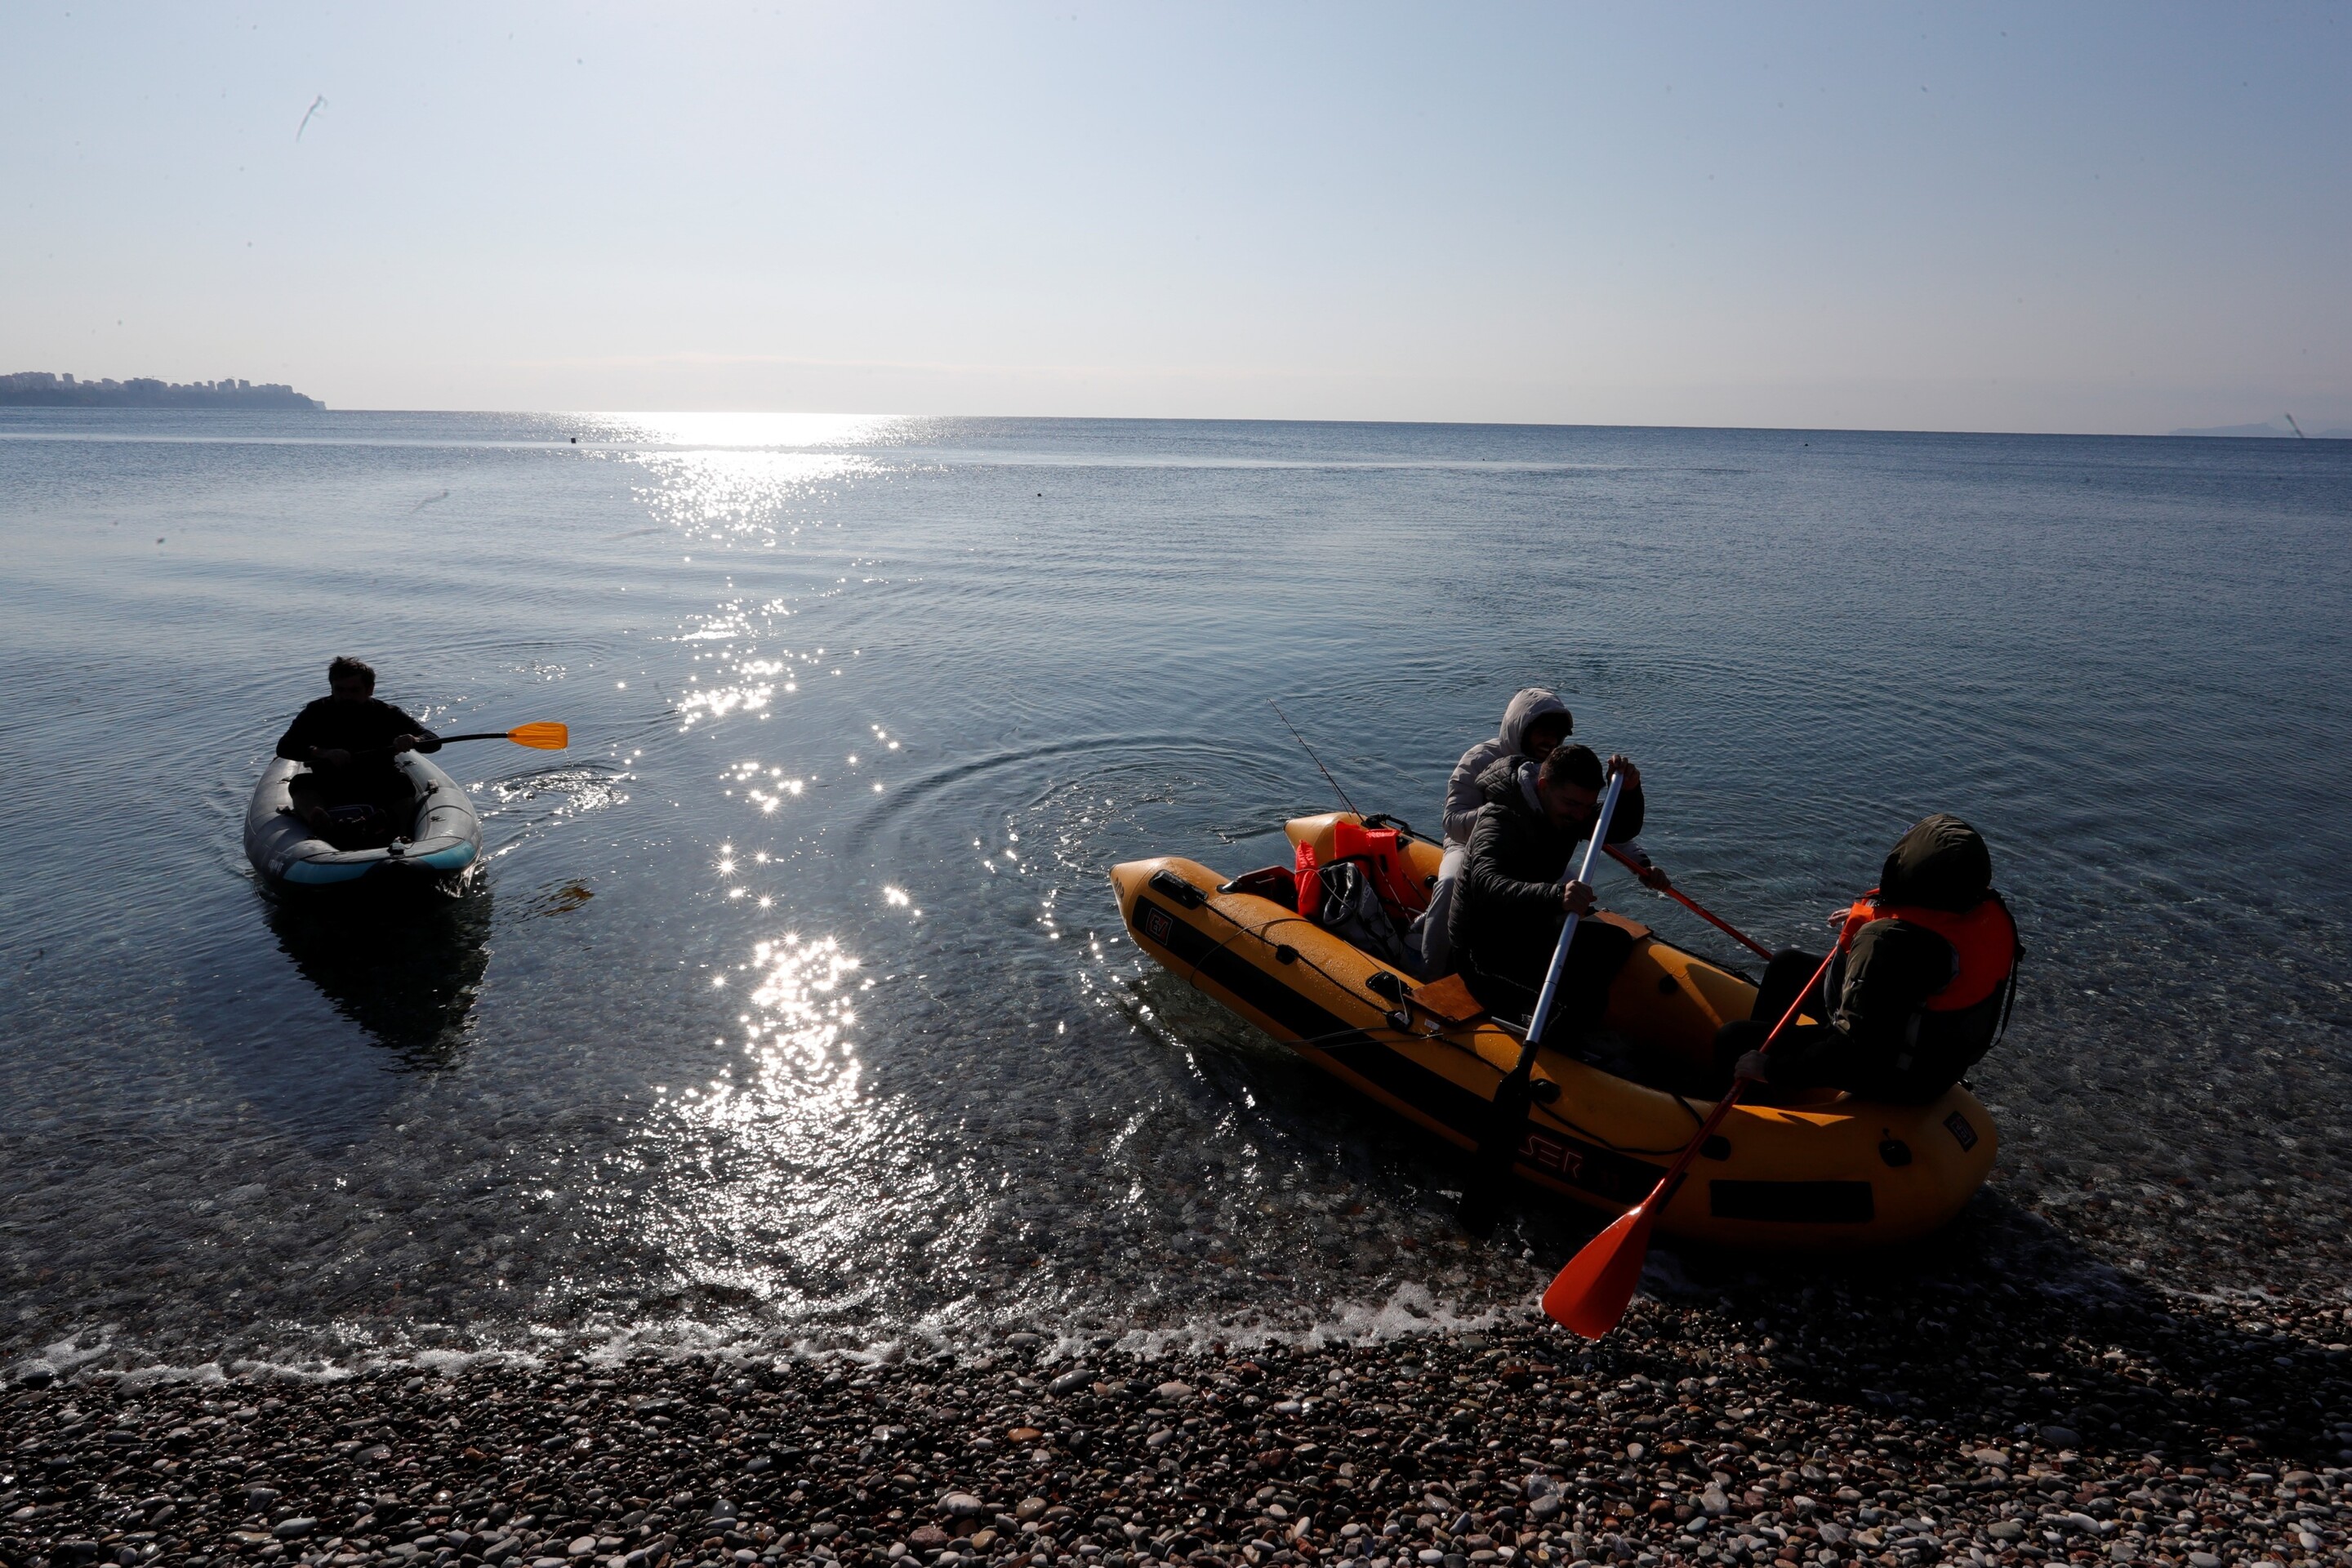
(751, 430)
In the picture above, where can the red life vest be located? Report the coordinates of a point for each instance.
(1309, 878)
(1985, 938)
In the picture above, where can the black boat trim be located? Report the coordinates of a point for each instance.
(1544, 1152)
(1801, 1203)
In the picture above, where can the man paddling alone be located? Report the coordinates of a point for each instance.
(349, 740)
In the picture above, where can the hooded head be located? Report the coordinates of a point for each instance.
(1942, 864)
(1519, 715)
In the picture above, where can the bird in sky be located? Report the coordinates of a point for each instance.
(317, 104)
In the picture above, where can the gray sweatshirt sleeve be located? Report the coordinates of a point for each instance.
(1463, 797)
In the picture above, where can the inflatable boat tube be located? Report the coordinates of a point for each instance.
(1831, 1173)
(437, 848)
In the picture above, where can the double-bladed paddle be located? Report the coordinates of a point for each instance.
(544, 736)
(1507, 1121)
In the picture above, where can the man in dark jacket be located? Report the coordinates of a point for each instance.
(1917, 994)
(349, 739)
(1516, 889)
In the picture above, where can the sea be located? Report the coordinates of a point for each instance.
(790, 1010)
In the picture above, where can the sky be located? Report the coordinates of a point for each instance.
(2080, 217)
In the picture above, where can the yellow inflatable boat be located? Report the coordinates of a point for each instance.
(1830, 1173)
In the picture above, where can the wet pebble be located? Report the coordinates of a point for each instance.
(1810, 1427)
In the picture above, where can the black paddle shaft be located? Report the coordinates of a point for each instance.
(1490, 1167)
(438, 742)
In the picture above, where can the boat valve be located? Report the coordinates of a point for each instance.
(1169, 885)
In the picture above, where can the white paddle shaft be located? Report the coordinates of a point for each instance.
(1542, 1014)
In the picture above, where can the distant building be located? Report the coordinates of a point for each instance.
(41, 389)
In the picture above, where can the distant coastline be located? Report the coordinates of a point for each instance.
(44, 389)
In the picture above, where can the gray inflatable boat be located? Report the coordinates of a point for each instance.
(435, 849)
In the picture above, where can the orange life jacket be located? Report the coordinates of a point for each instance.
(1985, 938)
(1381, 852)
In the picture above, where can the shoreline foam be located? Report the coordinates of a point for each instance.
(1872, 1424)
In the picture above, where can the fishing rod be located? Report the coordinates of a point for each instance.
(1312, 757)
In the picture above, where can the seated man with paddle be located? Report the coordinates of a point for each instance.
(349, 740)
(1534, 724)
(1915, 993)
(1516, 891)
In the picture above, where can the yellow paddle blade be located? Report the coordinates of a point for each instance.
(547, 736)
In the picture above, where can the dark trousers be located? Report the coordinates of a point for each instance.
(1594, 957)
(1808, 1056)
(1784, 976)
(1820, 1054)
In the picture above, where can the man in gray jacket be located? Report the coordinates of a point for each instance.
(1534, 721)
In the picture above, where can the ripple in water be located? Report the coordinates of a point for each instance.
(792, 1004)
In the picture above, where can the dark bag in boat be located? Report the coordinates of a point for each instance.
(1351, 911)
(361, 826)
(1941, 864)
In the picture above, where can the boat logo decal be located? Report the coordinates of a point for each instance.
(1158, 924)
(1958, 1126)
(1545, 1154)
(1579, 1165)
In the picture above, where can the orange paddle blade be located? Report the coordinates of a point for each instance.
(1589, 1295)
(548, 736)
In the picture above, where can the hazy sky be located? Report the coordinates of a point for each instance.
(2048, 217)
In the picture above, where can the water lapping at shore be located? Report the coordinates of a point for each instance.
(1777, 1426)
(792, 1015)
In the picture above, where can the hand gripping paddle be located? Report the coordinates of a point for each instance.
(1717, 921)
(544, 736)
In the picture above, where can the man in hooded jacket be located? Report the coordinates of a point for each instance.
(1534, 721)
(1918, 993)
(1516, 890)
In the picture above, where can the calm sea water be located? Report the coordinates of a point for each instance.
(792, 1004)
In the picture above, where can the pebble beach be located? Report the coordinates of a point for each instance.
(1836, 1422)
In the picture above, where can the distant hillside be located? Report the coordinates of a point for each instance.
(2271, 428)
(40, 389)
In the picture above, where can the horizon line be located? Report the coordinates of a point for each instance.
(2214, 433)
